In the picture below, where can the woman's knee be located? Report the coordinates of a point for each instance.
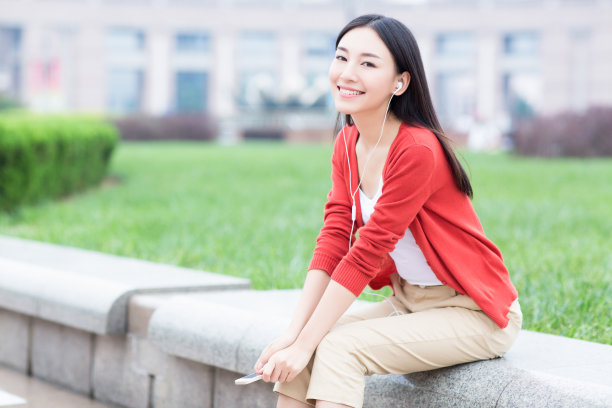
(335, 342)
(287, 402)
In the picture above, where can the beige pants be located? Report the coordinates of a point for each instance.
(437, 328)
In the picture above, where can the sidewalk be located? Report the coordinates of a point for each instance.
(20, 391)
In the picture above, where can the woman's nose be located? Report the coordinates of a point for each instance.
(348, 73)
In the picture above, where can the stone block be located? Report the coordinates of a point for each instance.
(185, 384)
(145, 357)
(223, 329)
(212, 333)
(38, 279)
(548, 391)
(227, 394)
(62, 355)
(14, 340)
(115, 379)
(560, 356)
(461, 386)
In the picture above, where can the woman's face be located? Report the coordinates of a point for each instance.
(362, 75)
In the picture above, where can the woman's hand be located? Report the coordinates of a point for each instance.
(284, 341)
(287, 363)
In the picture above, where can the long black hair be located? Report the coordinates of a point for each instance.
(414, 107)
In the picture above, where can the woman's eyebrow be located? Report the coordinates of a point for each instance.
(363, 54)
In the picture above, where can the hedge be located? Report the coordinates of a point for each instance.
(184, 126)
(587, 134)
(44, 157)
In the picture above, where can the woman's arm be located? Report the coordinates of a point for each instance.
(314, 286)
(286, 364)
(334, 302)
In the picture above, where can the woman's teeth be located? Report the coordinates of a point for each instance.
(349, 92)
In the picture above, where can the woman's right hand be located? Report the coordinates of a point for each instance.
(283, 341)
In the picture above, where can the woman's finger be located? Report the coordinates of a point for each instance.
(284, 377)
(268, 369)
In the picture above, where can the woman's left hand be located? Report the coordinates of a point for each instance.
(286, 364)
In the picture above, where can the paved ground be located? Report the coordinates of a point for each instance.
(20, 391)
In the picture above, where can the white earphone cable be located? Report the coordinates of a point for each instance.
(352, 193)
(395, 311)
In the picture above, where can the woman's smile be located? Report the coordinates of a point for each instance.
(349, 92)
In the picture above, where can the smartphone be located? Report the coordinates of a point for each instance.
(247, 379)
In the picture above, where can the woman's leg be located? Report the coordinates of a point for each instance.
(296, 389)
(424, 340)
(327, 404)
(288, 402)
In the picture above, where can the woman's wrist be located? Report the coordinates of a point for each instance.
(305, 343)
(291, 333)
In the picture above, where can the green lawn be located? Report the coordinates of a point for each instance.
(254, 211)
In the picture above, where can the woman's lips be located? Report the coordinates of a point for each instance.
(348, 92)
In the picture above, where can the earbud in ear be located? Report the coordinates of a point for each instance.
(399, 85)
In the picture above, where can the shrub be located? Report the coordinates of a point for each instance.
(567, 134)
(7, 102)
(49, 156)
(178, 126)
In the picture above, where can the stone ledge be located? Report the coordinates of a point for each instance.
(228, 330)
(88, 290)
(234, 325)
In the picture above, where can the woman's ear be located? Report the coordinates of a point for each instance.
(405, 81)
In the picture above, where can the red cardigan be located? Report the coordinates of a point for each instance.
(419, 192)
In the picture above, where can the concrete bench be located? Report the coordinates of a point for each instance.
(137, 334)
(225, 332)
(62, 306)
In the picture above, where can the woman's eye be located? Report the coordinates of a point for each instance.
(340, 57)
(369, 64)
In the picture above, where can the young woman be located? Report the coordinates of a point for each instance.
(396, 180)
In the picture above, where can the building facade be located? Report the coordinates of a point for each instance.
(486, 60)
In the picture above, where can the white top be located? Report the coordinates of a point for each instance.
(408, 257)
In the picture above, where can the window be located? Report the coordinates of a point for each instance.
(10, 60)
(319, 45)
(455, 98)
(193, 43)
(257, 88)
(258, 60)
(125, 40)
(260, 46)
(521, 44)
(457, 44)
(191, 91)
(522, 93)
(125, 88)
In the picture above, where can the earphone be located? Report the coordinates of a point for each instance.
(399, 86)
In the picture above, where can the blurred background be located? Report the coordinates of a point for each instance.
(241, 69)
(509, 79)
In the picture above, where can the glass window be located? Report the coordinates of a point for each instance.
(125, 40)
(257, 88)
(125, 88)
(455, 98)
(317, 94)
(319, 45)
(193, 43)
(455, 44)
(522, 93)
(10, 39)
(258, 45)
(521, 44)
(10, 60)
(191, 91)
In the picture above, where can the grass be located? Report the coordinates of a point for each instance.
(255, 210)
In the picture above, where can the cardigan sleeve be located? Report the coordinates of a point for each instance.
(407, 186)
(333, 240)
